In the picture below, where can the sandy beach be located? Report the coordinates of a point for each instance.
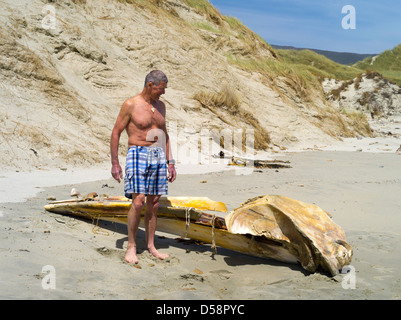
(360, 189)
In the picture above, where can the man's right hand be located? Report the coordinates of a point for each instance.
(117, 172)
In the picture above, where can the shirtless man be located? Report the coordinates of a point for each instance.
(143, 118)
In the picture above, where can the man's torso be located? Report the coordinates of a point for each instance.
(147, 122)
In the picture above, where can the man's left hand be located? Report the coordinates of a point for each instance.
(172, 174)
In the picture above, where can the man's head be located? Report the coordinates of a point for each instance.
(155, 76)
(155, 84)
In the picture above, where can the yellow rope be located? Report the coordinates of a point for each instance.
(96, 229)
(187, 220)
(213, 241)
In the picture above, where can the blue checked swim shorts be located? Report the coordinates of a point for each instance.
(145, 171)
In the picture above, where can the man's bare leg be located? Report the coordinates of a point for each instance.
(152, 205)
(134, 217)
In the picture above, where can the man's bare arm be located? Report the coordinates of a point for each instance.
(122, 121)
(172, 174)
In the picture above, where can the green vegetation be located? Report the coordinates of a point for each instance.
(345, 58)
(317, 64)
(206, 26)
(203, 6)
(387, 63)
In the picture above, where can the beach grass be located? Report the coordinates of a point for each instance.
(227, 106)
(317, 64)
(387, 63)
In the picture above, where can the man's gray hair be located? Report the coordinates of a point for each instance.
(155, 76)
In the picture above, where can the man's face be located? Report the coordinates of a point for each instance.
(158, 90)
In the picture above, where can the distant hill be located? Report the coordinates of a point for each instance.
(346, 58)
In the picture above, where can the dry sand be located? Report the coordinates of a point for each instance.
(360, 189)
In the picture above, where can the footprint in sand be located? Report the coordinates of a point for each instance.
(107, 252)
(223, 274)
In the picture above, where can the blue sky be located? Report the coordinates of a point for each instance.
(317, 24)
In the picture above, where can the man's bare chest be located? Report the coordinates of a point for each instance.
(147, 119)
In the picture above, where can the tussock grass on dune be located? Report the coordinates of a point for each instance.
(226, 105)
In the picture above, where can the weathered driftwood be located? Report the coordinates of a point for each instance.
(271, 164)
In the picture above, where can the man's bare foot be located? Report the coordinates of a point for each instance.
(130, 256)
(157, 254)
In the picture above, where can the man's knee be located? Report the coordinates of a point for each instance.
(138, 201)
(153, 202)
